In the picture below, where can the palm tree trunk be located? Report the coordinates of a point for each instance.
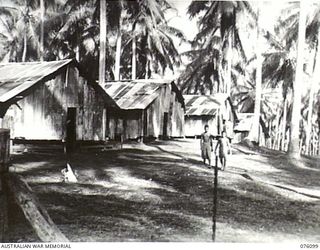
(270, 138)
(103, 37)
(318, 145)
(78, 52)
(118, 47)
(134, 60)
(314, 142)
(284, 125)
(254, 133)
(311, 95)
(147, 68)
(118, 57)
(227, 72)
(279, 136)
(24, 53)
(309, 119)
(42, 9)
(297, 85)
(276, 129)
(228, 85)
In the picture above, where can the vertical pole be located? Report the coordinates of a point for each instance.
(4, 159)
(142, 125)
(104, 123)
(3, 208)
(215, 199)
(218, 122)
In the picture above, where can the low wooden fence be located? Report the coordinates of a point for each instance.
(13, 184)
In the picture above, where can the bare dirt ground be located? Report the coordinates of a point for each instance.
(162, 192)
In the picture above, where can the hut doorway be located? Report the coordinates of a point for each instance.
(145, 123)
(71, 129)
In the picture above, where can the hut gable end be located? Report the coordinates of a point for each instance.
(150, 108)
(52, 98)
(213, 110)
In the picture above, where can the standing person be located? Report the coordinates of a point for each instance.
(206, 145)
(224, 147)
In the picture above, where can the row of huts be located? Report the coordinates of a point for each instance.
(56, 101)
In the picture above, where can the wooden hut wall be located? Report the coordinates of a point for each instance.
(166, 104)
(228, 116)
(194, 125)
(124, 122)
(92, 113)
(42, 114)
(155, 112)
(176, 114)
(133, 124)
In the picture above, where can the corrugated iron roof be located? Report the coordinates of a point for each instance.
(198, 105)
(135, 94)
(245, 122)
(15, 78)
(18, 77)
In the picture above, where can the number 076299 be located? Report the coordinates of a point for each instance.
(309, 245)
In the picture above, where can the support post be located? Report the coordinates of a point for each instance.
(215, 199)
(142, 126)
(4, 161)
(3, 208)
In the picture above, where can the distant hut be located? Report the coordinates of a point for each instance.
(51, 101)
(214, 110)
(149, 109)
(243, 126)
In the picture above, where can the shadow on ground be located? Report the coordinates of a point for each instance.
(152, 195)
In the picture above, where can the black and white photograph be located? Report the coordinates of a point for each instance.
(159, 121)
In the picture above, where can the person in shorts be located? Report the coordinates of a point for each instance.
(223, 145)
(206, 145)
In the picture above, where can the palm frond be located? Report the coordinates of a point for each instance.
(196, 7)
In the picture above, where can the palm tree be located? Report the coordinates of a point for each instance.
(78, 34)
(244, 94)
(294, 149)
(202, 75)
(151, 38)
(119, 31)
(280, 68)
(314, 81)
(219, 16)
(294, 144)
(254, 132)
(42, 12)
(21, 21)
(28, 25)
(103, 37)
